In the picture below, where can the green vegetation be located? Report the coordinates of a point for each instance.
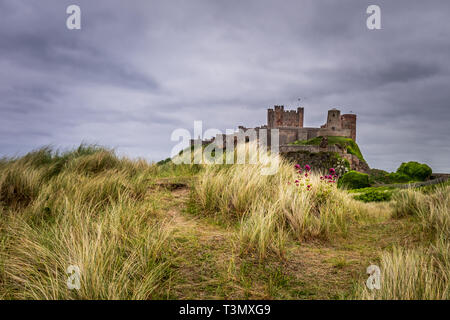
(377, 176)
(269, 209)
(167, 160)
(87, 208)
(422, 272)
(374, 196)
(397, 177)
(407, 172)
(432, 188)
(164, 231)
(354, 180)
(348, 143)
(380, 189)
(415, 170)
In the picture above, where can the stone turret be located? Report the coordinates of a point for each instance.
(349, 122)
(334, 120)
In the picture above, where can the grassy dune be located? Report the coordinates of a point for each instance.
(145, 231)
(86, 208)
(271, 208)
(422, 272)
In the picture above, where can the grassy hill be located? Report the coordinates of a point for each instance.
(348, 143)
(147, 231)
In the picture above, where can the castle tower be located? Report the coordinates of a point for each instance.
(270, 118)
(300, 112)
(278, 117)
(334, 119)
(349, 122)
(279, 110)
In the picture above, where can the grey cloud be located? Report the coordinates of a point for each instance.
(138, 70)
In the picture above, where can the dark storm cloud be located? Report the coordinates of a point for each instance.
(138, 70)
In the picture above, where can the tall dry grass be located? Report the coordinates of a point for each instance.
(424, 272)
(413, 274)
(87, 208)
(271, 207)
(432, 209)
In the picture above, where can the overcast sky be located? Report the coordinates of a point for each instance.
(137, 70)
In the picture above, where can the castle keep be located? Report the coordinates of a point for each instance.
(290, 125)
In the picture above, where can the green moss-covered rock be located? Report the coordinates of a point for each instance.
(318, 161)
(415, 170)
(354, 180)
(348, 143)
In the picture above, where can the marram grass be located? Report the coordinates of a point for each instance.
(418, 273)
(102, 213)
(89, 212)
(271, 207)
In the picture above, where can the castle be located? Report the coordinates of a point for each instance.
(290, 125)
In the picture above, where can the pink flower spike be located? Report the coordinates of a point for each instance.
(296, 181)
(297, 166)
(307, 168)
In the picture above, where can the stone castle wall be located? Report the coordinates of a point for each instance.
(278, 117)
(290, 125)
(290, 128)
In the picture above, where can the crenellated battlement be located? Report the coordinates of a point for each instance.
(278, 117)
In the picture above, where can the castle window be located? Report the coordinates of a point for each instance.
(333, 128)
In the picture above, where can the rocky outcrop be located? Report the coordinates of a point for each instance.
(322, 158)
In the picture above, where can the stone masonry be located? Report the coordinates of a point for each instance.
(289, 124)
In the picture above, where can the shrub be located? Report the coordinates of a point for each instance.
(374, 196)
(415, 170)
(354, 180)
(167, 160)
(378, 176)
(396, 177)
